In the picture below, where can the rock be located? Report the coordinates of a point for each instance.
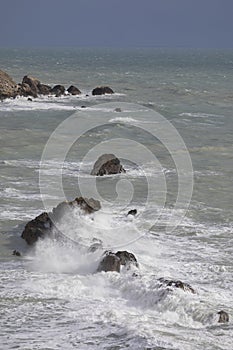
(58, 90)
(127, 258)
(73, 90)
(109, 263)
(132, 212)
(24, 89)
(8, 88)
(44, 89)
(29, 99)
(43, 224)
(98, 244)
(117, 109)
(102, 90)
(177, 284)
(223, 317)
(33, 83)
(16, 253)
(107, 164)
(39, 227)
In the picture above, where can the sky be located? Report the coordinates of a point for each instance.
(117, 23)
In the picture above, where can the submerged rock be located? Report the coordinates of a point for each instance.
(16, 253)
(102, 90)
(107, 164)
(132, 212)
(223, 317)
(8, 88)
(176, 284)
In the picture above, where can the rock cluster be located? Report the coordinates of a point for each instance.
(32, 87)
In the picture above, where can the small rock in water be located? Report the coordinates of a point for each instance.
(110, 262)
(16, 253)
(223, 317)
(107, 164)
(177, 284)
(118, 109)
(132, 212)
(29, 99)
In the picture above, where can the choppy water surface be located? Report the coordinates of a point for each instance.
(50, 297)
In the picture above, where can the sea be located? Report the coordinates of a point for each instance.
(170, 123)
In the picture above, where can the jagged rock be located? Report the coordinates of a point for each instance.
(8, 88)
(24, 89)
(109, 263)
(132, 212)
(73, 90)
(31, 87)
(127, 258)
(39, 227)
(88, 205)
(102, 90)
(107, 164)
(223, 317)
(176, 284)
(58, 90)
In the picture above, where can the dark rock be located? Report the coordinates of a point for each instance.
(107, 164)
(132, 212)
(102, 90)
(127, 258)
(29, 99)
(88, 205)
(223, 317)
(117, 109)
(58, 90)
(73, 90)
(25, 89)
(176, 284)
(44, 89)
(16, 253)
(37, 228)
(98, 244)
(83, 107)
(8, 88)
(33, 83)
(109, 263)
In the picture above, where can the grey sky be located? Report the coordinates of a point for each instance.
(164, 23)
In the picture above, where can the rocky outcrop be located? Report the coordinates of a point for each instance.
(132, 212)
(44, 89)
(73, 90)
(176, 284)
(107, 164)
(102, 90)
(8, 88)
(126, 258)
(43, 224)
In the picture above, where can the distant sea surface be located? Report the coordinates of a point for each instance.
(50, 298)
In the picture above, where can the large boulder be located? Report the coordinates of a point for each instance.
(44, 89)
(58, 90)
(73, 90)
(8, 88)
(32, 83)
(102, 90)
(109, 263)
(37, 228)
(127, 258)
(107, 164)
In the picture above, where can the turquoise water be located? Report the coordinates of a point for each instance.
(59, 302)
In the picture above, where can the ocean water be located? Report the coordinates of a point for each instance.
(173, 135)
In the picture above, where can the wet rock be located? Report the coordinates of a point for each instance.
(16, 253)
(8, 88)
(107, 164)
(88, 205)
(24, 89)
(96, 245)
(132, 212)
(44, 89)
(109, 263)
(127, 258)
(73, 90)
(117, 109)
(58, 90)
(223, 317)
(102, 90)
(29, 99)
(176, 284)
(30, 86)
(37, 228)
